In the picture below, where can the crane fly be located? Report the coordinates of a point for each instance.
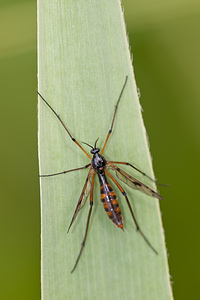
(99, 166)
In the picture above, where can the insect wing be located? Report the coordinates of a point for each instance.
(134, 183)
(86, 193)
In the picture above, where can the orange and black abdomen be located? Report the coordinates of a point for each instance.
(109, 200)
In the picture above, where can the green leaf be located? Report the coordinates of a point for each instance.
(83, 58)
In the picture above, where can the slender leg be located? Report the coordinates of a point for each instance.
(130, 208)
(73, 139)
(88, 221)
(109, 132)
(128, 164)
(64, 172)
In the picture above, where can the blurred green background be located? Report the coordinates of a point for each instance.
(165, 42)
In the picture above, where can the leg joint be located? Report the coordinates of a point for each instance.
(124, 193)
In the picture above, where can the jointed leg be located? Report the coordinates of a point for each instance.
(64, 172)
(73, 139)
(130, 208)
(88, 220)
(109, 132)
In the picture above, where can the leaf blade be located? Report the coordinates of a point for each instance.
(82, 66)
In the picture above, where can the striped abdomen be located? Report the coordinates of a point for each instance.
(109, 200)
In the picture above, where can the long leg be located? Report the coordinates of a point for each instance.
(128, 164)
(88, 220)
(64, 172)
(130, 208)
(73, 139)
(109, 132)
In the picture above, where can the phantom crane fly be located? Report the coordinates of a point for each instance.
(99, 166)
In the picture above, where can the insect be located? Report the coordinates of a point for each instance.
(99, 166)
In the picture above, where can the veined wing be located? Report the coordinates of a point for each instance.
(83, 197)
(86, 192)
(133, 183)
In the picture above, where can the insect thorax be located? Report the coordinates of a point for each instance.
(98, 163)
